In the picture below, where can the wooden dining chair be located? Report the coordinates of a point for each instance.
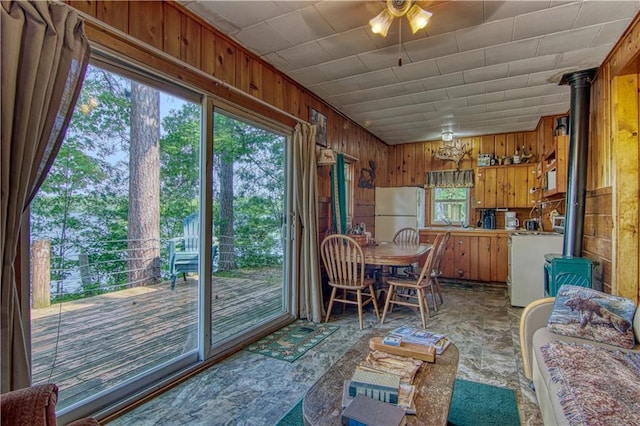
(437, 269)
(344, 262)
(405, 236)
(413, 291)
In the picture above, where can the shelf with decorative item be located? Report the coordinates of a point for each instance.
(554, 167)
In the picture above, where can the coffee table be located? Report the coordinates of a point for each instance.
(322, 405)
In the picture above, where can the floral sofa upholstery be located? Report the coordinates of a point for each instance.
(579, 377)
(34, 406)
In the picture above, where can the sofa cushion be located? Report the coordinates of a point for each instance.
(590, 314)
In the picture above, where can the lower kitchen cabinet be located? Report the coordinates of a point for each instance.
(473, 255)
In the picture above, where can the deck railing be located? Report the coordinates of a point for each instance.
(94, 269)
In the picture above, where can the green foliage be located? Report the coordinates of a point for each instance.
(179, 170)
(257, 156)
(82, 206)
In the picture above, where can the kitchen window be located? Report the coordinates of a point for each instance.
(449, 206)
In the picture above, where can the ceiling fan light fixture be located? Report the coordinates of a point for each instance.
(418, 18)
(381, 23)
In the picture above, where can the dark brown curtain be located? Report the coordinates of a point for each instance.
(44, 58)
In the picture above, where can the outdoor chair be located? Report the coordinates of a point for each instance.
(403, 291)
(184, 251)
(344, 262)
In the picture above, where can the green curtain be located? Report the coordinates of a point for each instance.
(338, 196)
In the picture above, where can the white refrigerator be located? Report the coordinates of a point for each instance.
(398, 208)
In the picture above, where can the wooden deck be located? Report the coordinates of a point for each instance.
(104, 340)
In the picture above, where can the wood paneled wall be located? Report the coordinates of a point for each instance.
(409, 163)
(612, 222)
(166, 27)
(598, 225)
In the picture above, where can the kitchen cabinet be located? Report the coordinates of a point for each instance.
(505, 186)
(499, 258)
(554, 167)
(473, 255)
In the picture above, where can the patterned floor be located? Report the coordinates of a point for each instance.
(251, 389)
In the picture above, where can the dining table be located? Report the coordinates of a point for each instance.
(392, 254)
(387, 254)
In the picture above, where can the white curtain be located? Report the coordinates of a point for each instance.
(307, 291)
(43, 60)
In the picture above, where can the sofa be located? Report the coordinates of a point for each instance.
(552, 385)
(34, 406)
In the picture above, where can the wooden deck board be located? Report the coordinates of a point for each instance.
(110, 338)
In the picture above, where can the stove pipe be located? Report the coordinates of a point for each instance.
(580, 83)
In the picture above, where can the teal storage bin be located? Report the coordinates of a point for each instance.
(561, 270)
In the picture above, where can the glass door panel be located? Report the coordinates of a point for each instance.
(249, 207)
(106, 228)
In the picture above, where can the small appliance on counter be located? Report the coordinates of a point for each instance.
(557, 224)
(488, 219)
(531, 224)
(511, 222)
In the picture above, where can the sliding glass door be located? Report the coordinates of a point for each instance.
(249, 223)
(121, 296)
(104, 228)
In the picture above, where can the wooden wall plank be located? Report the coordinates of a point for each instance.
(87, 6)
(225, 61)
(146, 21)
(625, 97)
(208, 51)
(191, 41)
(114, 13)
(501, 146)
(172, 32)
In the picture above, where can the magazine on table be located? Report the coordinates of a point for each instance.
(422, 337)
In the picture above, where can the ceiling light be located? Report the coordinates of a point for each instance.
(447, 136)
(381, 23)
(416, 16)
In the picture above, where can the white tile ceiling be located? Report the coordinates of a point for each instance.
(479, 67)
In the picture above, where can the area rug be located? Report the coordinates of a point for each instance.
(479, 404)
(292, 341)
(473, 404)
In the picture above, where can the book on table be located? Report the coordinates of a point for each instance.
(406, 396)
(368, 411)
(374, 384)
(419, 336)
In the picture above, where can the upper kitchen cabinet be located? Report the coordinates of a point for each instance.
(554, 167)
(506, 186)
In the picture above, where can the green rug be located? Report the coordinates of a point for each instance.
(292, 341)
(472, 404)
(479, 404)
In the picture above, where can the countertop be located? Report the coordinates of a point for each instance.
(479, 231)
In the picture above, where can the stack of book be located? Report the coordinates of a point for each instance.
(386, 378)
(419, 336)
(377, 385)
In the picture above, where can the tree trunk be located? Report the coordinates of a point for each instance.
(226, 258)
(144, 187)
